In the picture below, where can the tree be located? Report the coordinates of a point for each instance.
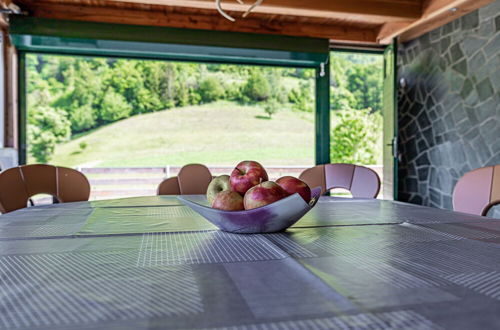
(46, 127)
(159, 79)
(114, 107)
(365, 83)
(356, 137)
(83, 93)
(342, 99)
(82, 118)
(302, 98)
(278, 92)
(356, 81)
(127, 80)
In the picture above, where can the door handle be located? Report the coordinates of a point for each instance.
(394, 146)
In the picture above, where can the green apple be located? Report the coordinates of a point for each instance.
(218, 184)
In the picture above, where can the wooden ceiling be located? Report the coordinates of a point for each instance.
(361, 22)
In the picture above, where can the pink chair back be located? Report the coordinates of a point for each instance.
(361, 181)
(477, 191)
(193, 179)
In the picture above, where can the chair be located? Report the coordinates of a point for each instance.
(477, 191)
(361, 181)
(193, 179)
(18, 184)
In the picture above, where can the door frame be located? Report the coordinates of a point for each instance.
(393, 144)
(381, 51)
(58, 37)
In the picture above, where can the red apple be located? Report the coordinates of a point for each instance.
(263, 194)
(246, 175)
(292, 185)
(228, 201)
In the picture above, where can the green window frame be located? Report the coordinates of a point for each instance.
(48, 36)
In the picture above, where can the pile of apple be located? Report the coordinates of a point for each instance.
(248, 187)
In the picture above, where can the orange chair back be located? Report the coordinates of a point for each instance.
(193, 179)
(18, 184)
(361, 181)
(477, 191)
(169, 186)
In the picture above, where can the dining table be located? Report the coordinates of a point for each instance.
(153, 263)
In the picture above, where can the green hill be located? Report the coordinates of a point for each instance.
(220, 133)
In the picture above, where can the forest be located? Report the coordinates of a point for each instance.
(71, 96)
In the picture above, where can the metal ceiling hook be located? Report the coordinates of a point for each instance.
(218, 5)
(256, 3)
(222, 12)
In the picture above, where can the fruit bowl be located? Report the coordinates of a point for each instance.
(271, 218)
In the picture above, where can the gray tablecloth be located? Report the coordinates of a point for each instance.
(151, 263)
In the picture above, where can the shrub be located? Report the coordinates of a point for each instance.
(271, 107)
(234, 92)
(356, 137)
(210, 90)
(83, 145)
(194, 97)
(257, 88)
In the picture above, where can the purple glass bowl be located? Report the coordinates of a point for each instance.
(271, 218)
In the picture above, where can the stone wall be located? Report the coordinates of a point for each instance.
(449, 106)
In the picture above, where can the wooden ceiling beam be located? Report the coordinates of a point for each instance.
(172, 17)
(390, 30)
(462, 8)
(369, 9)
(435, 13)
(376, 11)
(341, 21)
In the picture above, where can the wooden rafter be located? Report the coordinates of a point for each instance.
(435, 13)
(199, 19)
(381, 9)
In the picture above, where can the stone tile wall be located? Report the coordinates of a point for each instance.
(449, 106)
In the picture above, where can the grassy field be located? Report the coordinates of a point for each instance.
(219, 133)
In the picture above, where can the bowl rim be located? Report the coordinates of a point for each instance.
(315, 194)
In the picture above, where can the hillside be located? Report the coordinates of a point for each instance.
(220, 133)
